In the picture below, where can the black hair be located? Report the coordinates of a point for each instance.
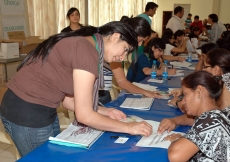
(196, 17)
(167, 35)
(219, 57)
(178, 33)
(223, 43)
(150, 5)
(138, 24)
(189, 14)
(208, 47)
(157, 43)
(192, 34)
(211, 83)
(226, 35)
(213, 17)
(42, 50)
(178, 9)
(72, 10)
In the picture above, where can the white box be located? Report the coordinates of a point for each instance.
(9, 50)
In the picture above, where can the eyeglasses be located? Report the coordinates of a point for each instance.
(161, 50)
(204, 67)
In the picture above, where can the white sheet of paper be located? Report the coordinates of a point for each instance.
(181, 64)
(121, 140)
(155, 140)
(155, 80)
(145, 86)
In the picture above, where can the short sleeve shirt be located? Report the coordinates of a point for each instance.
(211, 133)
(174, 24)
(146, 17)
(168, 49)
(46, 83)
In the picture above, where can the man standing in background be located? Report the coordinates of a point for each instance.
(175, 22)
(150, 10)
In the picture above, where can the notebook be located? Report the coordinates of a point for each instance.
(137, 103)
(77, 136)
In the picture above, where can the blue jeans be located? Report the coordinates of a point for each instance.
(27, 139)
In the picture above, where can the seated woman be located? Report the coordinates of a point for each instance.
(171, 48)
(224, 40)
(208, 138)
(204, 50)
(217, 62)
(73, 15)
(194, 37)
(179, 36)
(142, 68)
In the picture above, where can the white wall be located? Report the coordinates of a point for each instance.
(198, 7)
(224, 11)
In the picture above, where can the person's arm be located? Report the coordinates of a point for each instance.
(83, 108)
(123, 83)
(170, 124)
(181, 48)
(200, 63)
(181, 150)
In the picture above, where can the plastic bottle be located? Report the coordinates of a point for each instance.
(154, 70)
(189, 59)
(165, 70)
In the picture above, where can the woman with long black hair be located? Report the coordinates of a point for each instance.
(66, 67)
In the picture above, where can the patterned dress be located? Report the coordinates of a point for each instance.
(211, 133)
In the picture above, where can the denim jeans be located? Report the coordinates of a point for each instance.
(27, 139)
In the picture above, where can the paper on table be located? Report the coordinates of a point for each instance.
(155, 80)
(181, 64)
(171, 89)
(191, 68)
(177, 74)
(145, 86)
(155, 140)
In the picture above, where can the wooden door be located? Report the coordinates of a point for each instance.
(166, 16)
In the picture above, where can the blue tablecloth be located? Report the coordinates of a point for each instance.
(104, 149)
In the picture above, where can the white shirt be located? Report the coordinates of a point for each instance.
(194, 42)
(174, 24)
(168, 49)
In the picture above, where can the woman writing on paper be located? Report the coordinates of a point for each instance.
(209, 137)
(143, 67)
(143, 31)
(217, 62)
(64, 65)
(73, 15)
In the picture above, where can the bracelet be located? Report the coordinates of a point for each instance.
(179, 100)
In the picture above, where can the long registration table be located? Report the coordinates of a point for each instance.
(104, 149)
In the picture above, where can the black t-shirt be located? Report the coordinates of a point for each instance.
(25, 113)
(67, 29)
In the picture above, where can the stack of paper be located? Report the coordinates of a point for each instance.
(77, 136)
(145, 86)
(155, 80)
(181, 64)
(137, 103)
(155, 139)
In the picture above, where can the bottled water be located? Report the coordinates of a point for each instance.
(189, 56)
(165, 70)
(154, 70)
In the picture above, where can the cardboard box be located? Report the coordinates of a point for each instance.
(9, 50)
(25, 44)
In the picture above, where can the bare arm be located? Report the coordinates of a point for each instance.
(123, 83)
(181, 48)
(176, 153)
(83, 107)
(170, 124)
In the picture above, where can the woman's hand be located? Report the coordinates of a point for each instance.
(152, 94)
(176, 92)
(173, 137)
(173, 101)
(166, 124)
(140, 128)
(115, 114)
(171, 71)
(181, 59)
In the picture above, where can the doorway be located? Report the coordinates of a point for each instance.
(166, 16)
